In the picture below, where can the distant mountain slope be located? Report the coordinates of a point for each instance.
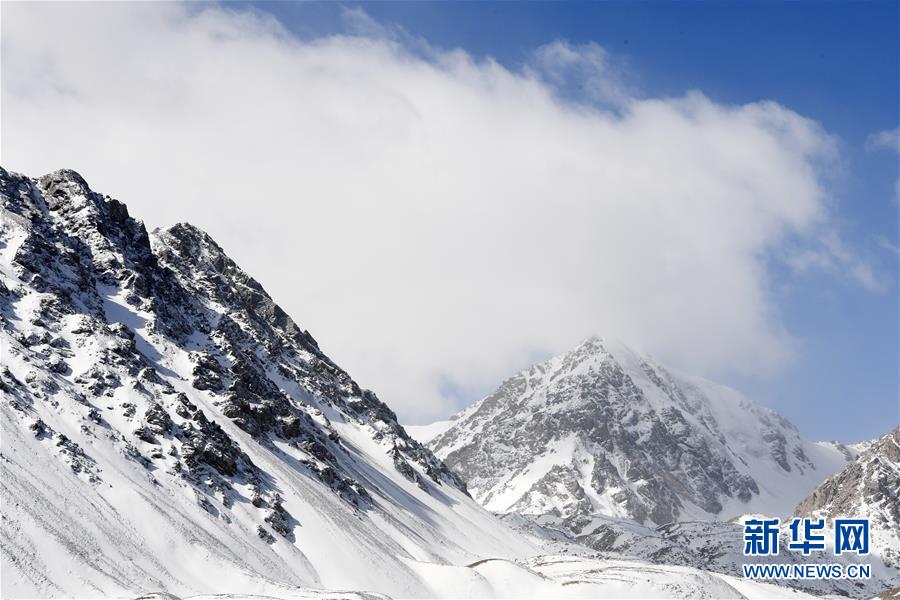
(166, 426)
(605, 431)
(868, 487)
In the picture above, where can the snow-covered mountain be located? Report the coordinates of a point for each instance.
(868, 487)
(165, 425)
(603, 431)
(607, 450)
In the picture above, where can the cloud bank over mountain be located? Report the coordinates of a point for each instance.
(440, 220)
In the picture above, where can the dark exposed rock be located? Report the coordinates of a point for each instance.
(75, 456)
(264, 535)
(207, 372)
(39, 428)
(95, 416)
(157, 419)
(57, 364)
(209, 445)
(184, 407)
(145, 435)
(280, 520)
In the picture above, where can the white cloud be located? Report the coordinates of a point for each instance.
(434, 220)
(888, 245)
(588, 68)
(889, 139)
(831, 254)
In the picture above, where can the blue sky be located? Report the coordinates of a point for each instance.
(835, 62)
(467, 219)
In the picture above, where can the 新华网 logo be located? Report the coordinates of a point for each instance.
(806, 536)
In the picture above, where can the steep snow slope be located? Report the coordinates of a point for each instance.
(604, 431)
(166, 426)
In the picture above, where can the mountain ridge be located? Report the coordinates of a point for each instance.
(157, 400)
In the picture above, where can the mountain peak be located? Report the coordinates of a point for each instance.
(66, 191)
(193, 239)
(602, 430)
(68, 176)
